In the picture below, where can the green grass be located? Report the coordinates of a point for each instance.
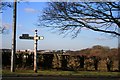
(0, 71)
(64, 73)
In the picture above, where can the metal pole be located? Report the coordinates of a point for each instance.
(35, 51)
(14, 37)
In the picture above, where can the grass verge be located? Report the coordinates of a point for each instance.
(59, 73)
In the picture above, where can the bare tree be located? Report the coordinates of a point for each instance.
(3, 6)
(71, 17)
(2, 29)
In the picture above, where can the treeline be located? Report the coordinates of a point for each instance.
(95, 58)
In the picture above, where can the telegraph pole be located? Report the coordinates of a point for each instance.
(119, 40)
(14, 37)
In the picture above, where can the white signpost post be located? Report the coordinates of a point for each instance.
(35, 38)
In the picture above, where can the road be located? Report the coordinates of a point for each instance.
(60, 78)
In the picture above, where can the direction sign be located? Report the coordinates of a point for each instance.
(41, 37)
(30, 37)
(25, 35)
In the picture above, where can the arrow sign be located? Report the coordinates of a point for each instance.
(26, 36)
(30, 37)
(41, 37)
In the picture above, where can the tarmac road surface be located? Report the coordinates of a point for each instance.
(60, 78)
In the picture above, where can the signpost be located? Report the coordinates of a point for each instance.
(35, 38)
